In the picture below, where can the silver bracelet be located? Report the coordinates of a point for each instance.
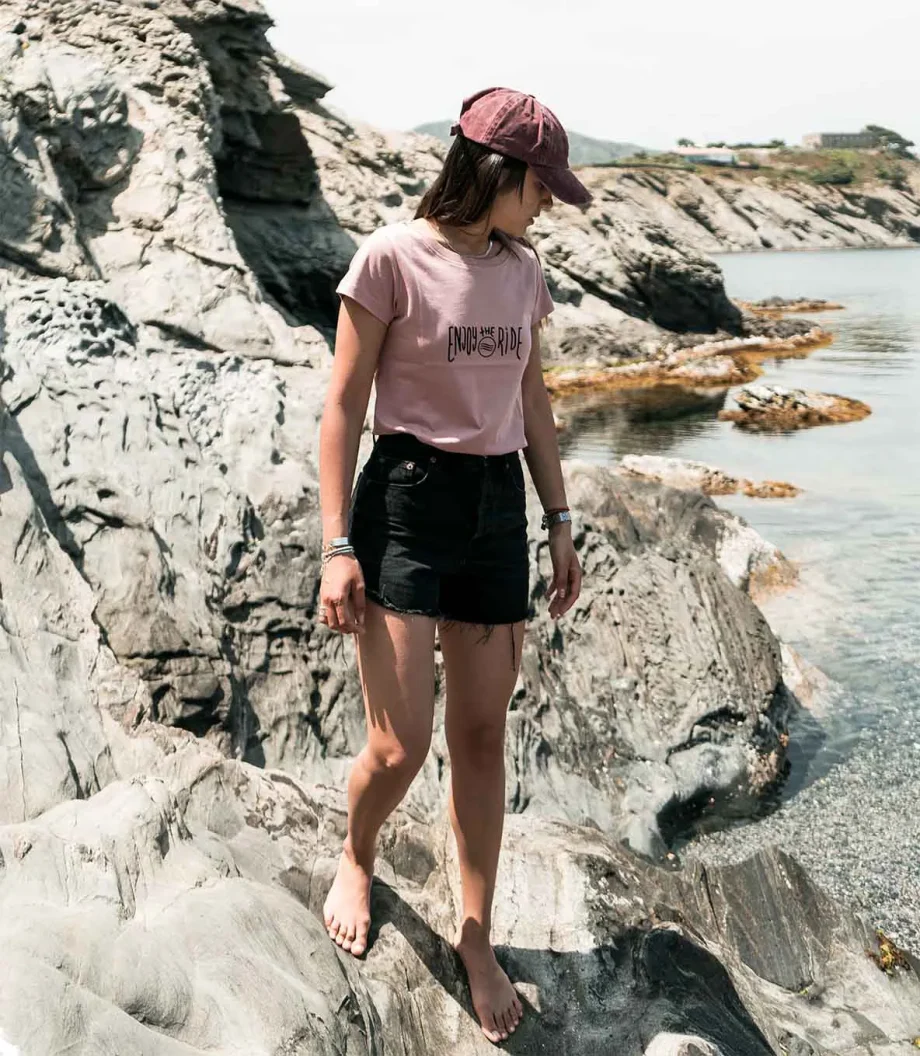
(559, 517)
(336, 552)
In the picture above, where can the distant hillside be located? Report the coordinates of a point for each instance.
(814, 200)
(583, 150)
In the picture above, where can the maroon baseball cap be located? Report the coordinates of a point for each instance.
(520, 126)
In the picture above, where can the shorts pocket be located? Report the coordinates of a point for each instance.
(516, 473)
(395, 472)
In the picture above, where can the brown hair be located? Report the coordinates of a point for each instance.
(466, 187)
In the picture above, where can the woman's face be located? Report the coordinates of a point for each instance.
(513, 214)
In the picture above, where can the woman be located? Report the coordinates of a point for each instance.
(445, 310)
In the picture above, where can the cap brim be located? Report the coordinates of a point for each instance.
(564, 185)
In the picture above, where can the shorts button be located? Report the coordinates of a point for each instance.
(410, 465)
(432, 459)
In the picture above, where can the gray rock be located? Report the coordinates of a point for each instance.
(773, 408)
(720, 212)
(184, 898)
(777, 398)
(162, 413)
(176, 727)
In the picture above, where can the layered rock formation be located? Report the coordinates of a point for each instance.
(773, 408)
(722, 211)
(176, 206)
(685, 473)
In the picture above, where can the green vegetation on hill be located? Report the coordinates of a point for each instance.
(583, 150)
(789, 165)
(839, 167)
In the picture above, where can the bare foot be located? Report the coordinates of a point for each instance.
(494, 998)
(346, 910)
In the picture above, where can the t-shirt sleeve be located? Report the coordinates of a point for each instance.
(371, 278)
(543, 302)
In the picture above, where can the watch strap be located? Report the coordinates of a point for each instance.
(555, 517)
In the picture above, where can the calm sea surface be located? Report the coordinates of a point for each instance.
(855, 530)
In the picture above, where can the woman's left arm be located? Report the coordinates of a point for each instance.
(542, 457)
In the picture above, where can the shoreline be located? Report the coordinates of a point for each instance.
(802, 306)
(744, 354)
(753, 251)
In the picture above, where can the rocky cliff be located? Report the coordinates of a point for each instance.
(723, 210)
(176, 208)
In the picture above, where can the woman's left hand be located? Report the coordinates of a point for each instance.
(566, 584)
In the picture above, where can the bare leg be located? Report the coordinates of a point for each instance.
(396, 665)
(481, 666)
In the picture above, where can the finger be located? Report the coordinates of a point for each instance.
(552, 591)
(571, 593)
(332, 619)
(574, 586)
(360, 603)
(348, 616)
(339, 608)
(562, 592)
(577, 579)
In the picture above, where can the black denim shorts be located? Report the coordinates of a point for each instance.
(442, 533)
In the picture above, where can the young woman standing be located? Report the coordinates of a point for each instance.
(443, 312)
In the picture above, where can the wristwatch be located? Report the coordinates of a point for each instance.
(555, 517)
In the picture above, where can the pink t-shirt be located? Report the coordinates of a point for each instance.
(458, 336)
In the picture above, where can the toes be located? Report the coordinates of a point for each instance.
(349, 937)
(491, 1029)
(500, 1027)
(332, 926)
(360, 942)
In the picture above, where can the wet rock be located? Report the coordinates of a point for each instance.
(771, 408)
(749, 560)
(777, 306)
(685, 473)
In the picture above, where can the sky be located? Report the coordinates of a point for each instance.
(644, 72)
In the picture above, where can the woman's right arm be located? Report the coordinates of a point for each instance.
(359, 336)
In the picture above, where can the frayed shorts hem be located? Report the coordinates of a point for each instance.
(441, 617)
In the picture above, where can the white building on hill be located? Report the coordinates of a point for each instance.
(839, 141)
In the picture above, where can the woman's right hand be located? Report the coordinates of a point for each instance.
(341, 593)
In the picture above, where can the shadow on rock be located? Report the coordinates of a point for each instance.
(613, 998)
